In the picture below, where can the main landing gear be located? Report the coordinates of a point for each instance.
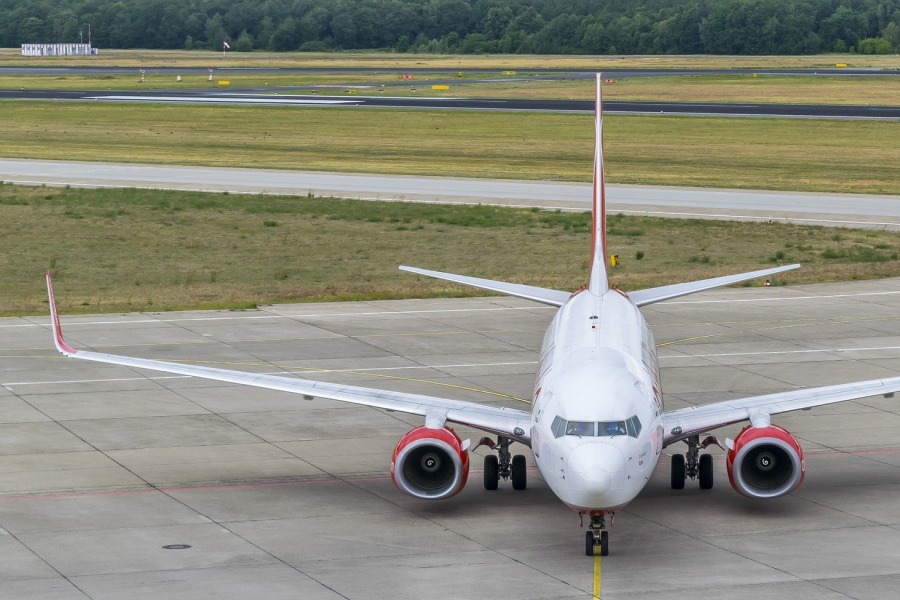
(693, 464)
(503, 465)
(596, 539)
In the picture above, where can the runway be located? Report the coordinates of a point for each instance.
(718, 109)
(117, 483)
(570, 72)
(853, 210)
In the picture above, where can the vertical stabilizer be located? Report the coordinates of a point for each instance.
(599, 282)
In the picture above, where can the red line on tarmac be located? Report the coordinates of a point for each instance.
(224, 486)
(825, 454)
(333, 480)
(186, 489)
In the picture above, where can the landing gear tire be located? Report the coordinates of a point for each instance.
(593, 546)
(519, 474)
(706, 472)
(678, 472)
(596, 539)
(491, 472)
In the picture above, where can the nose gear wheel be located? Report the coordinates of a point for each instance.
(596, 539)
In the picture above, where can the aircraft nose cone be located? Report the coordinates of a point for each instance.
(596, 468)
(596, 480)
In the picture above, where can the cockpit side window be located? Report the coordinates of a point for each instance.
(634, 426)
(558, 427)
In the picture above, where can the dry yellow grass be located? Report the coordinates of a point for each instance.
(153, 80)
(789, 154)
(883, 91)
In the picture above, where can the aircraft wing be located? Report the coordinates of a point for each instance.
(511, 423)
(667, 292)
(529, 292)
(693, 420)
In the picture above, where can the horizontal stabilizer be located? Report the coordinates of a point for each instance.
(542, 295)
(667, 292)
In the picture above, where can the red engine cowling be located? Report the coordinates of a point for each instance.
(430, 463)
(765, 462)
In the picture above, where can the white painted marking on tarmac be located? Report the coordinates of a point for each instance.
(300, 316)
(138, 321)
(498, 364)
(220, 99)
(679, 113)
(344, 99)
(110, 380)
(289, 371)
(808, 351)
(785, 298)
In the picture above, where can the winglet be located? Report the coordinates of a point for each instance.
(599, 281)
(54, 322)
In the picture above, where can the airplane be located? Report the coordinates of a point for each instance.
(597, 424)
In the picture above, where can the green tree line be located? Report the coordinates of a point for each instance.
(465, 26)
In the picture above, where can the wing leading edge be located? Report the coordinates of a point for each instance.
(507, 422)
(693, 420)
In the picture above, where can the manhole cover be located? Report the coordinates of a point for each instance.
(176, 547)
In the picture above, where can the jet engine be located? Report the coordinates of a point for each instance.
(765, 462)
(430, 463)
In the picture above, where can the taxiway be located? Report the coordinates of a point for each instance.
(523, 72)
(249, 97)
(118, 483)
(815, 208)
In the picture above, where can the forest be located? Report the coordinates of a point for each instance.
(744, 27)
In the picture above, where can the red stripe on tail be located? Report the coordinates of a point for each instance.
(599, 283)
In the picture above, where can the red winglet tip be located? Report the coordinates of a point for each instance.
(54, 321)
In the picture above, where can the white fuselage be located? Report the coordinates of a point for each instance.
(597, 372)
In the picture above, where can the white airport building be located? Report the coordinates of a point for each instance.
(57, 49)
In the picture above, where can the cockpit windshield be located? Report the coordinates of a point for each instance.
(580, 428)
(611, 428)
(630, 427)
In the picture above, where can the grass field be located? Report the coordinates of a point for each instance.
(884, 91)
(75, 81)
(787, 154)
(197, 58)
(700, 88)
(128, 250)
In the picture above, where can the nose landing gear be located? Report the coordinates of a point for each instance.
(596, 539)
(504, 465)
